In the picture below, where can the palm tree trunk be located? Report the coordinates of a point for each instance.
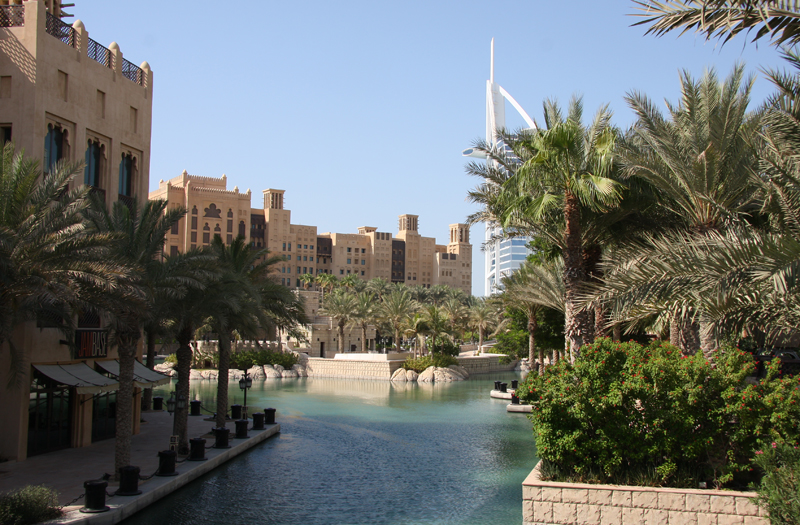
(149, 363)
(532, 326)
(574, 275)
(341, 337)
(364, 338)
(617, 333)
(689, 335)
(599, 321)
(708, 340)
(397, 339)
(224, 349)
(180, 426)
(675, 331)
(124, 423)
(480, 339)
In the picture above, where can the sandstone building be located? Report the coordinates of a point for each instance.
(406, 257)
(65, 96)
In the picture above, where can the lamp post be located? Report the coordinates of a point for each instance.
(245, 383)
(173, 403)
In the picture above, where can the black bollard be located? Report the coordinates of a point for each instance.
(514, 399)
(166, 463)
(236, 412)
(258, 421)
(95, 501)
(503, 387)
(221, 435)
(197, 449)
(241, 428)
(514, 383)
(497, 385)
(269, 416)
(195, 407)
(158, 403)
(128, 481)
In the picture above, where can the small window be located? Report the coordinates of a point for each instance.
(312, 246)
(305, 247)
(348, 261)
(173, 251)
(362, 272)
(363, 250)
(175, 228)
(341, 272)
(348, 250)
(126, 184)
(93, 162)
(363, 262)
(305, 257)
(284, 246)
(298, 269)
(290, 246)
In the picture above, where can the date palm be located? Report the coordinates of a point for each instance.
(50, 262)
(437, 321)
(363, 315)
(724, 19)
(395, 310)
(341, 305)
(700, 159)
(551, 176)
(326, 281)
(529, 290)
(235, 302)
(140, 235)
(484, 316)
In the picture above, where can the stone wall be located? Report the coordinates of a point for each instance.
(484, 364)
(383, 370)
(545, 503)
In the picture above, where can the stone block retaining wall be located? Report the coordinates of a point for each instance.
(318, 367)
(484, 364)
(546, 503)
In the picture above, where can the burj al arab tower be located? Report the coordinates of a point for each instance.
(503, 255)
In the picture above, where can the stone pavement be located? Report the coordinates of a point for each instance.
(66, 470)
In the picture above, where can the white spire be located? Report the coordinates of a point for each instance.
(491, 64)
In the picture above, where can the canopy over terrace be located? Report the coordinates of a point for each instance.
(84, 379)
(143, 377)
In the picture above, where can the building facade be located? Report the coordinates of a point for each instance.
(406, 257)
(65, 96)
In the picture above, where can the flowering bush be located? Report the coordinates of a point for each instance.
(779, 491)
(625, 408)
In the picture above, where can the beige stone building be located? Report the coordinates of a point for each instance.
(65, 96)
(406, 257)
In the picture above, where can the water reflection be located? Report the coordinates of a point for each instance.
(367, 452)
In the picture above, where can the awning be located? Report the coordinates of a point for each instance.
(143, 377)
(84, 379)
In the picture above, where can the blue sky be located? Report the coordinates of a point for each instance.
(360, 110)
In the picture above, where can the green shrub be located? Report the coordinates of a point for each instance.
(779, 490)
(171, 358)
(245, 360)
(419, 364)
(625, 408)
(447, 347)
(31, 504)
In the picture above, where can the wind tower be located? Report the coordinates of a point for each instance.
(503, 255)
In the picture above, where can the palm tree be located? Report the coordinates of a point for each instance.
(724, 19)
(531, 289)
(141, 233)
(236, 302)
(363, 315)
(326, 281)
(457, 314)
(437, 321)
(701, 161)
(307, 279)
(379, 287)
(395, 309)
(417, 327)
(353, 283)
(556, 172)
(340, 305)
(438, 293)
(483, 317)
(50, 263)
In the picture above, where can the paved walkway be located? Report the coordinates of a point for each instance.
(66, 470)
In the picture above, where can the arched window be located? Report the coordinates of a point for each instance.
(55, 146)
(95, 155)
(126, 168)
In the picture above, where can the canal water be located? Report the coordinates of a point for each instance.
(365, 452)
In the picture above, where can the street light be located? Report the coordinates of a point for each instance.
(172, 403)
(245, 383)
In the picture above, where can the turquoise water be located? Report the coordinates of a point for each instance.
(366, 452)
